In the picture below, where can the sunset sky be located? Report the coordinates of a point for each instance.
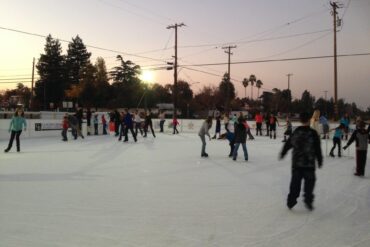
(261, 30)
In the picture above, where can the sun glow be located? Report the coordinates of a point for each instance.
(147, 76)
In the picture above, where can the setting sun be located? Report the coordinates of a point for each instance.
(147, 76)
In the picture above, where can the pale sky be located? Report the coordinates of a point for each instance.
(261, 30)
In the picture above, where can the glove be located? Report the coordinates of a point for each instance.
(345, 147)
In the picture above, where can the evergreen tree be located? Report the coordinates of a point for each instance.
(77, 59)
(50, 67)
(222, 96)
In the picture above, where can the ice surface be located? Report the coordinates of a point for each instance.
(159, 192)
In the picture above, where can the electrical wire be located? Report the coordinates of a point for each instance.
(91, 46)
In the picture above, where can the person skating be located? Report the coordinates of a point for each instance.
(289, 129)
(259, 120)
(65, 128)
(104, 123)
(162, 119)
(345, 120)
(325, 126)
(129, 125)
(203, 132)
(306, 146)
(88, 121)
(230, 136)
(337, 140)
(361, 136)
(272, 123)
(137, 123)
(315, 121)
(240, 138)
(96, 124)
(148, 124)
(267, 123)
(73, 123)
(218, 128)
(175, 123)
(17, 123)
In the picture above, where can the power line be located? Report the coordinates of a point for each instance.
(276, 60)
(91, 46)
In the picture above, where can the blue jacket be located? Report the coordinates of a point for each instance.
(16, 124)
(128, 120)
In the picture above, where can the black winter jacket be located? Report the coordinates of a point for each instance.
(240, 133)
(306, 148)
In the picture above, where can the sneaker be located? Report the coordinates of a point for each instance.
(6, 150)
(234, 159)
(332, 155)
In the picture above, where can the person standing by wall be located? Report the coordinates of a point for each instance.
(17, 123)
(88, 121)
(259, 121)
(104, 122)
(175, 123)
(65, 128)
(161, 121)
(203, 132)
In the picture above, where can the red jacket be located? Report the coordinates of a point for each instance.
(258, 118)
(175, 122)
(65, 124)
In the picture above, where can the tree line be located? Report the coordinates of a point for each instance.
(73, 77)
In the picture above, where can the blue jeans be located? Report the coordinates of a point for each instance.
(235, 153)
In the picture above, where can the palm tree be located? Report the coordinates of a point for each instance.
(258, 85)
(252, 79)
(245, 84)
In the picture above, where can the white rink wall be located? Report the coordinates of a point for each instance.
(52, 127)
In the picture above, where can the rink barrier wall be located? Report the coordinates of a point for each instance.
(53, 127)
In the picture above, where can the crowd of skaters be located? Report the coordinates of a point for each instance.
(304, 140)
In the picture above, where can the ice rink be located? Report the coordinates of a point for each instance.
(159, 192)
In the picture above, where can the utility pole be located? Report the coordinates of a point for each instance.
(289, 75)
(32, 81)
(228, 51)
(335, 6)
(175, 26)
(326, 103)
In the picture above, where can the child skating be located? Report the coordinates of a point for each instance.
(361, 136)
(306, 146)
(337, 140)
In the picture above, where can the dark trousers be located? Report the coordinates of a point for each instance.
(95, 128)
(232, 146)
(132, 133)
(138, 127)
(361, 162)
(64, 134)
(336, 141)
(104, 129)
(161, 124)
(267, 129)
(146, 129)
(14, 134)
(309, 177)
(259, 129)
(175, 131)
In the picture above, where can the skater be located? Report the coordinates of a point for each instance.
(104, 122)
(361, 136)
(174, 124)
(325, 126)
(88, 121)
(65, 128)
(306, 149)
(259, 121)
(273, 122)
(289, 129)
(337, 140)
(96, 124)
(204, 130)
(73, 123)
(345, 121)
(79, 115)
(240, 138)
(122, 126)
(267, 122)
(117, 122)
(230, 136)
(161, 121)
(128, 126)
(226, 122)
(248, 129)
(148, 123)
(17, 123)
(137, 123)
(218, 128)
(315, 120)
